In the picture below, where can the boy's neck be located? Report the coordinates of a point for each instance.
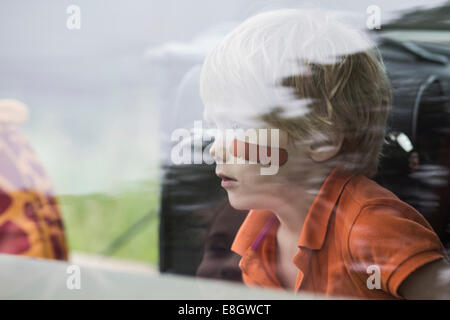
(295, 203)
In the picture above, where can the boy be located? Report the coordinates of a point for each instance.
(319, 224)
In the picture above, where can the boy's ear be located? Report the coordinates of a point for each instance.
(325, 150)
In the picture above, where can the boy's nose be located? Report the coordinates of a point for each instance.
(218, 151)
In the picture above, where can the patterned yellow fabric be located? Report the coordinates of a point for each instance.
(30, 220)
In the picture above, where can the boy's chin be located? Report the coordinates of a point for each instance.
(239, 203)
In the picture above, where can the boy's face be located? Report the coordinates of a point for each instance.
(247, 187)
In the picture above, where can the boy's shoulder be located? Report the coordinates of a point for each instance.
(362, 195)
(374, 216)
(383, 231)
(365, 191)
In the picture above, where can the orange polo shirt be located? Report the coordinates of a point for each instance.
(354, 231)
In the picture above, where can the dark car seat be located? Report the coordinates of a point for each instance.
(419, 173)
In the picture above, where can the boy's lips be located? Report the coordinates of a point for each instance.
(227, 181)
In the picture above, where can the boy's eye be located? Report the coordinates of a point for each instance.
(243, 150)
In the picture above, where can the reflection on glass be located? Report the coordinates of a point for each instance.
(319, 223)
(218, 261)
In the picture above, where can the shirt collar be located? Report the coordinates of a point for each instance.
(315, 227)
(252, 226)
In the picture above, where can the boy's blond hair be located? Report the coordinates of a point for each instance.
(304, 72)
